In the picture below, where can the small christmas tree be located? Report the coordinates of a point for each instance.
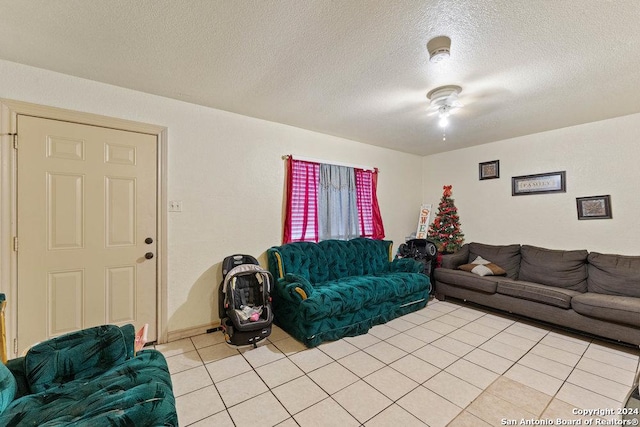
(445, 229)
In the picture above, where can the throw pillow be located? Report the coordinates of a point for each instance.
(482, 267)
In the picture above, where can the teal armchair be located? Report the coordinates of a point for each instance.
(88, 378)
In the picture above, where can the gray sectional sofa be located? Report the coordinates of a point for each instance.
(589, 292)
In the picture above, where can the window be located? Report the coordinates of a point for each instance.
(308, 196)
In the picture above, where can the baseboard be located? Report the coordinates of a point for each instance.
(190, 332)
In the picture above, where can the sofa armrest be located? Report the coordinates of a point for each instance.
(455, 260)
(295, 288)
(405, 265)
(82, 354)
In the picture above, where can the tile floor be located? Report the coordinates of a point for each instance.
(446, 365)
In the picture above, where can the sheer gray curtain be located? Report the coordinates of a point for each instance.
(337, 203)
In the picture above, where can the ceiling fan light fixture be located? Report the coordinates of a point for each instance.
(439, 49)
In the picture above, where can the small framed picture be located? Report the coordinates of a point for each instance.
(542, 183)
(489, 170)
(594, 207)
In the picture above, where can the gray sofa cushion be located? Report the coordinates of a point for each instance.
(563, 269)
(614, 274)
(618, 309)
(467, 280)
(550, 295)
(505, 256)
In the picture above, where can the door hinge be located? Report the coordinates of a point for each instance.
(15, 141)
(15, 244)
(15, 346)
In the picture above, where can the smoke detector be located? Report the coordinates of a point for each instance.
(439, 48)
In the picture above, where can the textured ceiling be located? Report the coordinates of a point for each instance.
(358, 69)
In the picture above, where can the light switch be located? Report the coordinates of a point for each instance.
(175, 206)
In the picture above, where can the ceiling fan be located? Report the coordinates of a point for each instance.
(444, 100)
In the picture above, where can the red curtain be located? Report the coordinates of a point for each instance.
(368, 209)
(301, 214)
(378, 227)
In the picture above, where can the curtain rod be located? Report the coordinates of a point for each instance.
(327, 162)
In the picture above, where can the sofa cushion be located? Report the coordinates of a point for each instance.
(482, 267)
(464, 279)
(351, 294)
(506, 256)
(614, 274)
(77, 355)
(8, 387)
(563, 269)
(614, 308)
(550, 295)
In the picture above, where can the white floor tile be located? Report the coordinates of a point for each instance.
(190, 380)
(453, 389)
(503, 350)
(423, 334)
(216, 352)
(435, 356)
(606, 370)
(228, 367)
(206, 340)
(394, 415)
(414, 318)
(262, 355)
(525, 331)
(363, 341)
(326, 413)
(452, 320)
(175, 347)
(199, 404)
(385, 352)
(221, 419)
(333, 377)
(429, 407)
(453, 346)
(240, 388)
(565, 357)
(383, 332)
(362, 401)
(289, 346)
(310, 359)
(514, 341)
(491, 361)
(600, 385)
(414, 368)
(264, 410)
(482, 330)
(467, 337)
(406, 342)
(182, 362)
(299, 394)
(547, 366)
(361, 363)
(391, 383)
(583, 398)
(472, 373)
(619, 360)
(279, 372)
(338, 349)
(400, 324)
(564, 343)
(534, 379)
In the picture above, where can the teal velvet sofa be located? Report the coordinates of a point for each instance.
(332, 289)
(88, 378)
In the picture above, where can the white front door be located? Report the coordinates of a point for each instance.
(86, 219)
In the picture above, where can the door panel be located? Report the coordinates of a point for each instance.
(86, 203)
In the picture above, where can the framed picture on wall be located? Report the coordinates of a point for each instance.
(594, 207)
(489, 170)
(552, 182)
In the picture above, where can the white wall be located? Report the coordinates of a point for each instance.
(599, 158)
(228, 171)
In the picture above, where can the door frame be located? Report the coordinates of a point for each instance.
(9, 111)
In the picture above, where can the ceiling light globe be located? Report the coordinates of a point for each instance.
(443, 122)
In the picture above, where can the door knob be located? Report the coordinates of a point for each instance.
(148, 240)
(148, 255)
